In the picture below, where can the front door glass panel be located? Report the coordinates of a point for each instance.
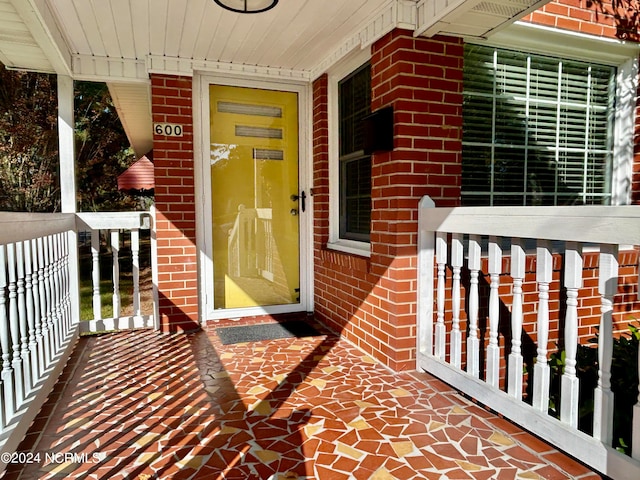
(254, 181)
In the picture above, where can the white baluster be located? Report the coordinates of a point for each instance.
(518, 266)
(48, 318)
(456, 266)
(544, 272)
(70, 243)
(135, 264)
(22, 318)
(603, 399)
(64, 290)
(65, 303)
(441, 262)
(14, 326)
(32, 300)
(115, 249)
(570, 383)
(59, 269)
(95, 274)
(54, 319)
(493, 349)
(64, 279)
(473, 343)
(55, 294)
(41, 319)
(270, 246)
(5, 343)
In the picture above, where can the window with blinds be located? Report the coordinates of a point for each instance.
(354, 93)
(537, 130)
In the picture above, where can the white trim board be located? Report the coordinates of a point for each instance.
(204, 231)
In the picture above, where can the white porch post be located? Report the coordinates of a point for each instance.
(66, 144)
(67, 155)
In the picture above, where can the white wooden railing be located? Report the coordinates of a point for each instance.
(456, 243)
(38, 314)
(114, 226)
(40, 305)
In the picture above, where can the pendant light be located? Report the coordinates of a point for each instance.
(247, 6)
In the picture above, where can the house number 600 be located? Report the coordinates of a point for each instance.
(168, 129)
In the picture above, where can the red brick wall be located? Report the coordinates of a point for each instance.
(574, 15)
(342, 282)
(590, 17)
(320, 126)
(175, 205)
(372, 301)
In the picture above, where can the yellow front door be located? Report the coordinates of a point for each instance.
(254, 184)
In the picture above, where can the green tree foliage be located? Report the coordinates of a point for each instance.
(102, 150)
(624, 384)
(28, 142)
(29, 145)
(625, 15)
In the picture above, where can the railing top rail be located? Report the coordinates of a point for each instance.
(20, 226)
(583, 223)
(17, 226)
(113, 220)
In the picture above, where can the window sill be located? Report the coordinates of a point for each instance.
(362, 249)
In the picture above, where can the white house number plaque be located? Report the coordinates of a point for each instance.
(168, 129)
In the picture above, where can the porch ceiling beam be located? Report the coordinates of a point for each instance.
(40, 21)
(185, 66)
(109, 69)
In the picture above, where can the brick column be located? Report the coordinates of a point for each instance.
(372, 302)
(175, 205)
(320, 128)
(422, 79)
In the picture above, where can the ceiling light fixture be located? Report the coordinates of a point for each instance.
(247, 6)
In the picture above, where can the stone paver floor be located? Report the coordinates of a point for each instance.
(145, 405)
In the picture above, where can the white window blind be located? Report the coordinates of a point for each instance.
(537, 130)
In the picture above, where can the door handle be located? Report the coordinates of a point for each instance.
(302, 197)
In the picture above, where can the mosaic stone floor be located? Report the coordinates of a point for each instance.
(145, 405)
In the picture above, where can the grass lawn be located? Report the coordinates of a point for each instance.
(106, 285)
(106, 296)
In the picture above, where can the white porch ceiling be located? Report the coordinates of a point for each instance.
(121, 41)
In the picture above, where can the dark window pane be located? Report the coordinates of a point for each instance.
(355, 104)
(355, 201)
(355, 167)
(476, 171)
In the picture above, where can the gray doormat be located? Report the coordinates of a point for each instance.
(265, 331)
